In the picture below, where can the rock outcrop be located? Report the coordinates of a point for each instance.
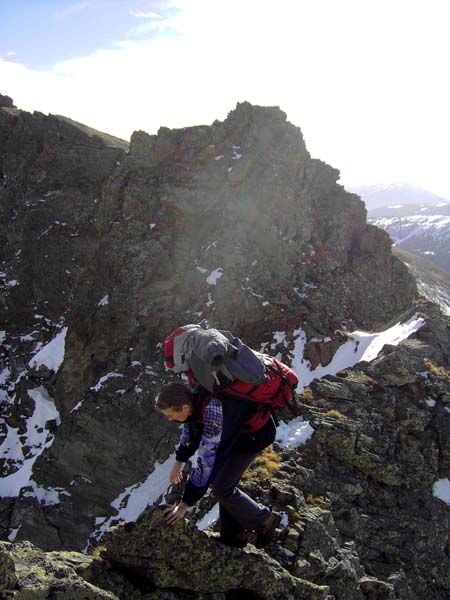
(185, 558)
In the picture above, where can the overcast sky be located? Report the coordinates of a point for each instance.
(365, 80)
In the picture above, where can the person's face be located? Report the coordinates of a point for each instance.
(180, 415)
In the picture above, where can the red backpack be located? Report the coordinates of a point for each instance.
(224, 366)
(276, 391)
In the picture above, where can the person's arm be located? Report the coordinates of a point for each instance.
(212, 434)
(199, 478)
(185, 448)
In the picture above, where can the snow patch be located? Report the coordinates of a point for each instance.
(214, 276)
(4, 375)
(31, 443)
(441, 490)
(294, 434)
(29, 337)
(46, 496)
(284, 519)
(209, 519)
(361, 346)
(135, 498)
(77, 407)
(280, 338)
(52, 354)
(13, 534)
(104, 301)
(98, 386)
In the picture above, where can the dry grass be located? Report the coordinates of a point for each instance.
(98, 551)
(335, 413)
(315, 499)
(306, 395)
(437, 370)
(264, 466)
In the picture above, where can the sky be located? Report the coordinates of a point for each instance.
(365, 80)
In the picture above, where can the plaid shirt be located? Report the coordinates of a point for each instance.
(209, 443)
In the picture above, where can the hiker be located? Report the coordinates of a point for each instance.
(227, 415)
(225, 450)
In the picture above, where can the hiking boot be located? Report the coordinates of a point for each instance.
(265, 533)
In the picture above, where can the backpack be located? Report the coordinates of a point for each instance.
(225, 366)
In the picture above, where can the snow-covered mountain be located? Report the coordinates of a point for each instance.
(417, 220)
(432, 281)
(422, 230)
(410, 210)
(378, 195)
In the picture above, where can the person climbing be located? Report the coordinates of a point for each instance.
(228, 435)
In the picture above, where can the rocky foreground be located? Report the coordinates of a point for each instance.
(363, 518)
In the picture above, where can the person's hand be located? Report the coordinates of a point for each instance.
(175, 513)
(176, 474)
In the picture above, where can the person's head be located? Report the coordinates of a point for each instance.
(175, 402)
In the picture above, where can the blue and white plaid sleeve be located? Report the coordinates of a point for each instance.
(184, 449)
(212, 434)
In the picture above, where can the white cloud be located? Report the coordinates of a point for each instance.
(145, 15)
(364, 81)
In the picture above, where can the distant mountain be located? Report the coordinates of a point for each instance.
(409, 210)
(432, 281)
(422, 230)
(378, 195)
(417, 220)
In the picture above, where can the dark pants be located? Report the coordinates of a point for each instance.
(237, 510)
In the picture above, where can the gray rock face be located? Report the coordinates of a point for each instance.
(104, 249)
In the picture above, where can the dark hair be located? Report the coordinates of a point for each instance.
(173, 395)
